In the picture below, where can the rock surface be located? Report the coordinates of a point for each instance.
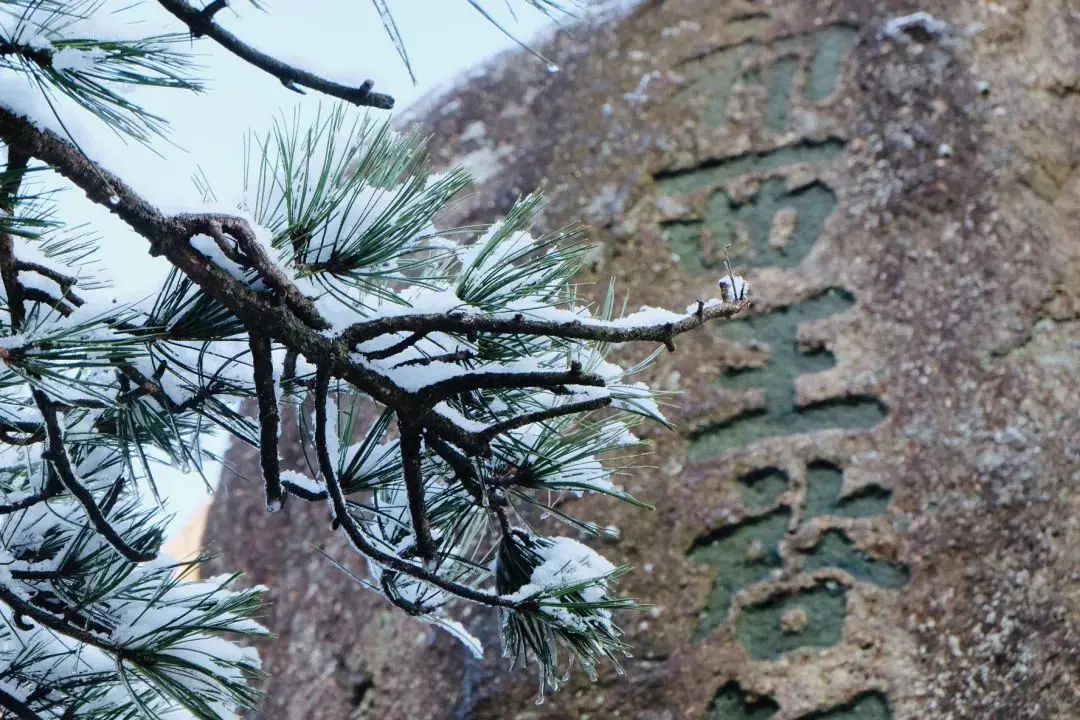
(871, 509)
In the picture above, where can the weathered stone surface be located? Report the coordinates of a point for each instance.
(872, 507)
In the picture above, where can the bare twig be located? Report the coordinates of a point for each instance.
(462, 467)
(396, 347)
(451, 357)
(66, 282)
(31, 500)
(201, 22)
(263, 370)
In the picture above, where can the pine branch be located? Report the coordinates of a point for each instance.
(252, 254)
(30, 500)
(57, 455)
(445, 389)
(451, 357)
(356, 535)
(302, 492)
(201, 23)
(58, 624)
(463, 469)
(589, 330)
(17, 164)
(573, 408)
(263, 370)
(16, 707)
(411, 448)
(170, 235)
(66, 282)
(396, 347)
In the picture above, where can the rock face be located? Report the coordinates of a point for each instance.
(871, 508)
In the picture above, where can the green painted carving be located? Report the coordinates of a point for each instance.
(716, 85)
(836, 550)
(833, 45)
(808, 618)
(748, 552)
(716, 172)
(761, 489)
(742, 555)
(825, 481)
(867, 706)
(775, 226)
(782, 74)
(819, 54)
(731, 703)
(776, 380)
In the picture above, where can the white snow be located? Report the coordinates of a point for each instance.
(566, 562)
(70, 59)
(733, 288)
(895, 27)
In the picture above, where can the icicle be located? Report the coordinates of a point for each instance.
(540, 692)
(569, 667)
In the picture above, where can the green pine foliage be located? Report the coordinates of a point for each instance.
(449, 383)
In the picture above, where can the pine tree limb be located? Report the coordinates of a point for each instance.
(444, 389)
(17, 163)
(170, 236)
(411, 448)
(252, 254)
(58, 624)
(492, 431)
(57, 455)
(265, 393)
(356, 535)
(201, 23)
(462, 467)
(396, 347)
(594, 331)
(16, 707)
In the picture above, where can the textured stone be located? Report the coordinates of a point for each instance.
(898, 463)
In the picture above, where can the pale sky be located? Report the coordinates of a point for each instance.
(342, 39)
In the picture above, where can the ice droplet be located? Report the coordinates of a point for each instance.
(552, 68)
(114, 199)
